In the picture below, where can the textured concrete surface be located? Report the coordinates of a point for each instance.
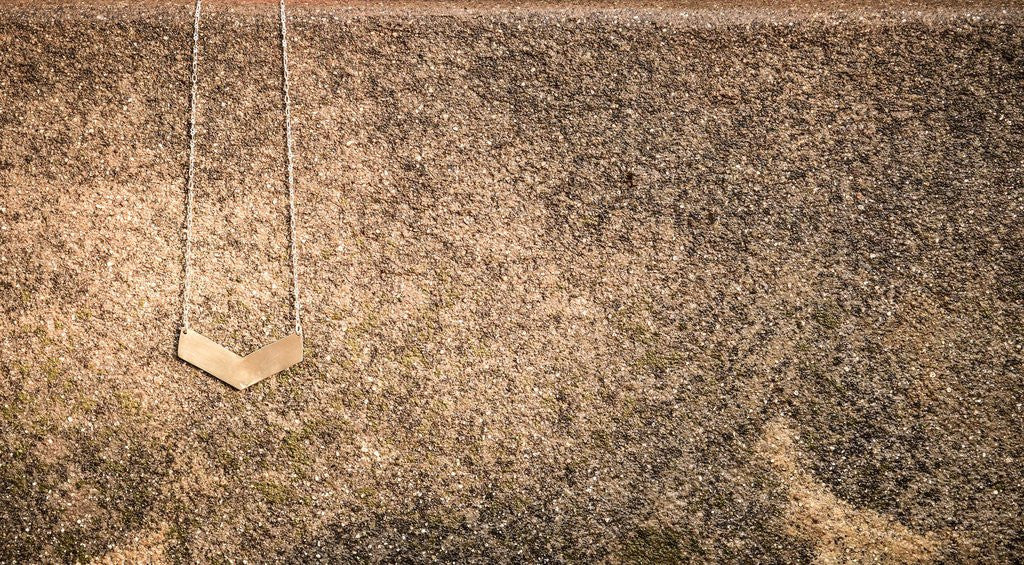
(654, 284)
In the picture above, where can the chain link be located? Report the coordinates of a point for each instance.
(190, 183)
(293, 246)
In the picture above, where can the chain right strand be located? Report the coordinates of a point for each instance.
(292, 244)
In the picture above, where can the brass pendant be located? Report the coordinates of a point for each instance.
(239, 372)
(194, 347)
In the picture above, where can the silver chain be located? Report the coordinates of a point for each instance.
(190, 183)
(292, 245)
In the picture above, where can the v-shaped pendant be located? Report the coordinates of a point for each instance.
(239, 372)
(194, 347)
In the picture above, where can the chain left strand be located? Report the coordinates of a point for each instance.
(190, 182)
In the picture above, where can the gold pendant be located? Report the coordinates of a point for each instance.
(239, 372)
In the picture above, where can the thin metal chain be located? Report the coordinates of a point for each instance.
(293, 246)
(190, 184)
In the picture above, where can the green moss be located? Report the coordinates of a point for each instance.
(656, 361)
(630, 321)
(367, 493)
(70, 546)
(829, 316)
(225, 458)
(410, 357)
(601, 438)
(275, 493)
(127, 404)
(85, 404)
(659, 545)
(37, 331)
(15, 407)
(517, 504)
(294, 444)
(52, 370)
(626, 407)
(634, 331)
(22, 369)
(366, 325)
(352, 344)
(824, 380)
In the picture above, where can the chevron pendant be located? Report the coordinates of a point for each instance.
(239, 372)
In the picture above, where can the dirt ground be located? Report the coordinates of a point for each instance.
(648, 284)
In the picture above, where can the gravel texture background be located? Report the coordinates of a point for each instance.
(646, 284)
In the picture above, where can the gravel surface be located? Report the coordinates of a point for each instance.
(581, 283)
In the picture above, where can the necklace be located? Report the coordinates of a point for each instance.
(195, 348)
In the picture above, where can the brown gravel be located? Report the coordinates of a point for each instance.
(642, 284)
